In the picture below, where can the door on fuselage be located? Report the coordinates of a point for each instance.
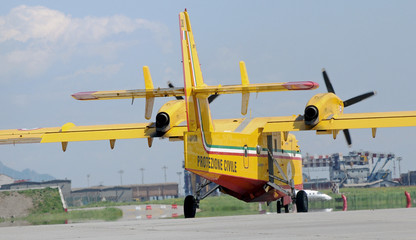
(246, 158)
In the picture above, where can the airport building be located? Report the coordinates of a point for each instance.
(4, 179)
(408, 178)
(125, 193)
(82, 196)
(357, 169)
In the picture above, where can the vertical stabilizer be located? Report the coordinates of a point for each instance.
(197, 107)
(244, 82)
(149, 87)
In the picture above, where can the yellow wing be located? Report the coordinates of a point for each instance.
(70, 133)
(343, 121)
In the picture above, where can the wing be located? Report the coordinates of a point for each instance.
(70, 133)
(344, 121)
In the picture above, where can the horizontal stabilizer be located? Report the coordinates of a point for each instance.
(205, 90)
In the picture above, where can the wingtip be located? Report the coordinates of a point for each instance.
(84, 95)
(302, 85)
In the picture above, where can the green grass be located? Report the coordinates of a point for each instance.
(178, 201)
(106, 214)
(358, 199)
(45, 200)
(368, 198)
(226, 206)
(104, 204)
(48, 209)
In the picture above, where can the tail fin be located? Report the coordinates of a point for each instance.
(197, 107)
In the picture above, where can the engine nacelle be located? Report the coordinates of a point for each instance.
(170, 114)
(322, 106)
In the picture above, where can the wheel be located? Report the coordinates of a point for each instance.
(189, 207)
(279, 206)
(302, 201)
(286, 208)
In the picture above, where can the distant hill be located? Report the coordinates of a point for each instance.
(26, 174)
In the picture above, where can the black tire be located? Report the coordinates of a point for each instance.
(302, 201)
(189, 207)
(279, 206)
(286, 208)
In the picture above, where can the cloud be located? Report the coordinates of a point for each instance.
(25, 23)
(35, 37)
(38, 23)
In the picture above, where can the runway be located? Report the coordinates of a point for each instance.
(369, 224)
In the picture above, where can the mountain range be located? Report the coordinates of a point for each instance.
(26, 174)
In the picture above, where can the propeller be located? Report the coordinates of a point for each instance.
(347, 103)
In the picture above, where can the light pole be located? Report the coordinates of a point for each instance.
(142, 170)
(399, 159)
(88, 185)
(179, 186)
(121, 177)
(164, 168)
(88, 180)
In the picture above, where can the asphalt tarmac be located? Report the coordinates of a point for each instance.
(369, 224)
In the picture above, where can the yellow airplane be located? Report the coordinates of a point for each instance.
(254, 160)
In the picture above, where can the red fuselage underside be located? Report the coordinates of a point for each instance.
(246, 189)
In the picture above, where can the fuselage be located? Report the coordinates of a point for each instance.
(239, 161)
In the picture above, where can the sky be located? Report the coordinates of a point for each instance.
(52, 49)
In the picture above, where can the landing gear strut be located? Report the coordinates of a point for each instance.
(191, 203)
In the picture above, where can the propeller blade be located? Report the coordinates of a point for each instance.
(212, 98)
(327, 82)
(347, 136)
(170, 85)
(359, 98)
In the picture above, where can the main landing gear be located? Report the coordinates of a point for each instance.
(191, 203)
(300, 198)
(301, 201)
